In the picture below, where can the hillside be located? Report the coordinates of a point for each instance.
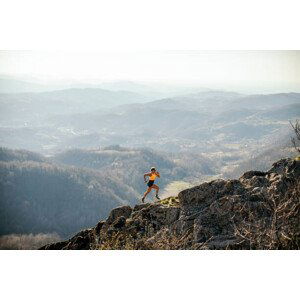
(128, 164)
(42, 197)
(210, 122)
(8, 85)
(261, 160)
(75, 188)
(260, 210)
(33, 108)
(7, 154)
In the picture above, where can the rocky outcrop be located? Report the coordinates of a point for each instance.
(260, 210)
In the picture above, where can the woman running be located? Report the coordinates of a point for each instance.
(152, 175)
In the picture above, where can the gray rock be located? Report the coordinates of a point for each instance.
(124, 211)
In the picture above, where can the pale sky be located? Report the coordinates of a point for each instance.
(278, 70)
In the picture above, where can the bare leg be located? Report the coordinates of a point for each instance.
(157, 190)
(146, 193)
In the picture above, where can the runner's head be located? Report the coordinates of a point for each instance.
(152, 169)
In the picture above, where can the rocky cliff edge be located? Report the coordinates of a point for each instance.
(260, 210)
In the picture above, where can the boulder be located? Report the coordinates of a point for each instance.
(124, 211)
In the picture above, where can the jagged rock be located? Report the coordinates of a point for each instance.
(251, 174)
(55, 246)
(120, 222)
(261, 210)
(99, 226)
(124, 211)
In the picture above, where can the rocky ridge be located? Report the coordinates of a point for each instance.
(260, 210)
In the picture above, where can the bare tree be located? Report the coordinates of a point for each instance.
(296, 140)
(279, 230)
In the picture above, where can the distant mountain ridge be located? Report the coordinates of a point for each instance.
(19, 86)
(209, 121)
(191, 120)
(71, 100)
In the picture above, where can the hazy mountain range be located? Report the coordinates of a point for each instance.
(203, 122)
(154, 90)
(87, 148)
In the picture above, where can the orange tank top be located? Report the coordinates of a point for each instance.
(152, 177)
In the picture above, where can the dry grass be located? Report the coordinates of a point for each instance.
(163, 240)
(296, 140)
(170, 202)
(167, 240)
(280, 231)
(27, 241)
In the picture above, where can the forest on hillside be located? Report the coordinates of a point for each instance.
(69, 156)
(74, 189)
(43, 197)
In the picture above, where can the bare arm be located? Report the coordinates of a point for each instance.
(145, 175)
(157, 173)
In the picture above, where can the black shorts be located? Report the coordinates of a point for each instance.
(150, 183)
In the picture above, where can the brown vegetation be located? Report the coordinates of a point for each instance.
(281, 230)
(27, 241)
(296, 140)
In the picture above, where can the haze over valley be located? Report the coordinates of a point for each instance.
(74, 149)
(216, 124)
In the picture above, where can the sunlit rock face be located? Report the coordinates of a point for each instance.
(260, 210)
